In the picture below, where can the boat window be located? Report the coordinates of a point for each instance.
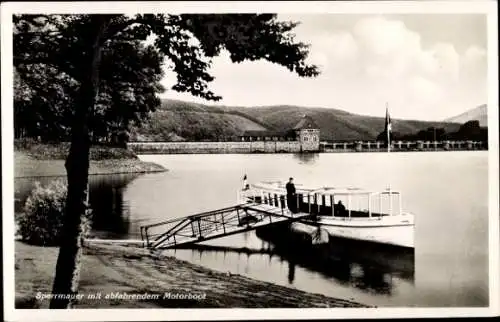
(383, 203)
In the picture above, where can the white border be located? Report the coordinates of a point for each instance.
(358, 7)
(289, 7)
(493, 162)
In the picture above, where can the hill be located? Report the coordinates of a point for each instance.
(479, 113)
(340, 125)
(179, 120)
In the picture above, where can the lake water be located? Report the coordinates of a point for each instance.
(447, 192)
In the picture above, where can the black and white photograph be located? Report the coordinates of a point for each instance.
(274, 160)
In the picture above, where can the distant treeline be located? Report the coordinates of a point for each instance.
(175, 121)
(470, 130)
(188, 121)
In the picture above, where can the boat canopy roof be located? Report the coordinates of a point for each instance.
(280, 187)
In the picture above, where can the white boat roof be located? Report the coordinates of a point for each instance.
(280, 187)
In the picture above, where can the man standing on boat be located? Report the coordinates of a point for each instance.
(246, 186)
(290, 196)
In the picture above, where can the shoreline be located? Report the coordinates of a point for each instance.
(27, 166)
(337, 151)
(109, 268)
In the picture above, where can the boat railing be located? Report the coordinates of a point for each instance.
(323, 201)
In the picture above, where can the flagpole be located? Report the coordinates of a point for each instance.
(388, 130)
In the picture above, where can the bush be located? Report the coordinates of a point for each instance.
(99, 153)
(60, 151)
(24, 143)
(42, 220)
(43, 151)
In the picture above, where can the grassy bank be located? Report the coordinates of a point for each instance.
(110, 269)
(37, 160)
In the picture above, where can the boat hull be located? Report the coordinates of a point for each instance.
(396, 231)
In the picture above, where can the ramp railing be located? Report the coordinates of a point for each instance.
(203, 226)
(214, 224)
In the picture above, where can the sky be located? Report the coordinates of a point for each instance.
(425, 66)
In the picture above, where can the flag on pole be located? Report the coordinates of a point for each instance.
(388, 126)
(388, 129)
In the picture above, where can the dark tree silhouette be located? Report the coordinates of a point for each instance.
(471, 130)
(188, 42)
(45, 95)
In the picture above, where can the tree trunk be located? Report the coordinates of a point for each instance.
(77, 167)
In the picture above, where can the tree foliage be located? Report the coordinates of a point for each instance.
(50, 51)
(48, 79)
(471, 130)
(467, 131)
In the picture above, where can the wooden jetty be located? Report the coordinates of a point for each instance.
(216, 224)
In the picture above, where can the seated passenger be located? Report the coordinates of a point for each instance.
(340, 209)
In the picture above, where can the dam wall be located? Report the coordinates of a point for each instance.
(298, 147)
(217, 147)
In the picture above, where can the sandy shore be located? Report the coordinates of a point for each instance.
(127, 271)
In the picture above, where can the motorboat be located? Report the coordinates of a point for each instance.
(352, 213)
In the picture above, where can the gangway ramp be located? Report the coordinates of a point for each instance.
(214, 224)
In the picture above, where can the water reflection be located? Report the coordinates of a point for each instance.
(366, 267)
(306, 158)
(291, 272)
(111, 213)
